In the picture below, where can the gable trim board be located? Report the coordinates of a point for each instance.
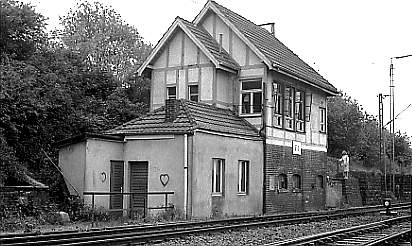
(179, 22)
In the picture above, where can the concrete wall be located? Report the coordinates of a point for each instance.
(164, 155)
(208, 146)
(72, 161)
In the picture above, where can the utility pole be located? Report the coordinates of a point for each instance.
(392, 116)
(382, 141)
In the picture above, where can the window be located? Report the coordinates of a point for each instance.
(300, 111)
(251, 96)
(319, 181)
(218, 174)
(277, 105)
(322, 120)
(243, 184)
(283, 181)
(288, 107)
(171, 92)
(193, 93)
(296, 182)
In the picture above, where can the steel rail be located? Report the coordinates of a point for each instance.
(394, 237)
(153, 231)
(337, 234)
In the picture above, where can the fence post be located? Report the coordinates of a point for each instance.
(131, 206)
(92, 209)
(144, 207)
(166, 201)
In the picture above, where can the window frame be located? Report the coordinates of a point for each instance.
(243, 177)
(167, 92)
(322, 119)
(190, 94)
(320, 182)
(296, 182)
(218, 177)
(282, 177)
(285, 105)
(251, 93)
(277, 96)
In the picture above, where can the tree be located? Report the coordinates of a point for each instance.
(104, 39)
(21, 29)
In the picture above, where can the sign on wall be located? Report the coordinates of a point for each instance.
(296, 148)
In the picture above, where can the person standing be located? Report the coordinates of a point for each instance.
(344, 160)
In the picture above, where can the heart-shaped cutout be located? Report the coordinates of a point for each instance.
(164, 179)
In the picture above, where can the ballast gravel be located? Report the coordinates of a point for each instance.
(268, 234)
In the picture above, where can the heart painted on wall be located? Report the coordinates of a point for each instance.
(164, 179)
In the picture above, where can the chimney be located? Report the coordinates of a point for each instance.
(272, 28)
(171, 110)
(220, 42)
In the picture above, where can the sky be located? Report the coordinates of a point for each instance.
(348, 42)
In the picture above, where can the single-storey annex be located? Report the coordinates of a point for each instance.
(237, 126)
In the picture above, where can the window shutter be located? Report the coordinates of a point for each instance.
(308, 106)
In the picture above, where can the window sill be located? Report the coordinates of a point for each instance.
(217, 194)
(322, 132)
(250, 115)
(242, 194)
(282, 190)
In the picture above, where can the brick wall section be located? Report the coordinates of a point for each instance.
(279, 160)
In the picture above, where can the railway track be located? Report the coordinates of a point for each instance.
(396, 231)
(132, 234)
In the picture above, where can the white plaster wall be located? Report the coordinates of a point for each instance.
(206, 147)
(206, 87)
(158, 92)
(72, 160)
(165, 156)
(99, 153)
(175, 49)
(222, 28)
(190, 52)
(160, 61)
(224, 85)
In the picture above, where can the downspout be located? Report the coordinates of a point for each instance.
(263, 134)
(185, 176)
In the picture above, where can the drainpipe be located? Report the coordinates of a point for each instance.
(185, 176)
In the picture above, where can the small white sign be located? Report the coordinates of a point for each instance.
(296, 148)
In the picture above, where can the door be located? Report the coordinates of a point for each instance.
(116, 184)
(138, 183)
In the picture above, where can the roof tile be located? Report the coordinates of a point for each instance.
(191, 116)
(275, 50)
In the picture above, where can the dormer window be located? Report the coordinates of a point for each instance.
(193, 93)
(251, 96)
(171, 92)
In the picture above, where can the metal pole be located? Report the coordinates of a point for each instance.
(392, 110)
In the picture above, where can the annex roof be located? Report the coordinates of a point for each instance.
(273, 52)
(206, 43)
(190, 116)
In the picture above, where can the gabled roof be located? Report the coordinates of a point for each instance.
(191, 116)
(273, 52)
(202, 39)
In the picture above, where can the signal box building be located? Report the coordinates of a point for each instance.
(237, 126)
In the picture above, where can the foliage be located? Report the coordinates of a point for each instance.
(103, 38)
(21, 29)
(49, 92)
(352, 129)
